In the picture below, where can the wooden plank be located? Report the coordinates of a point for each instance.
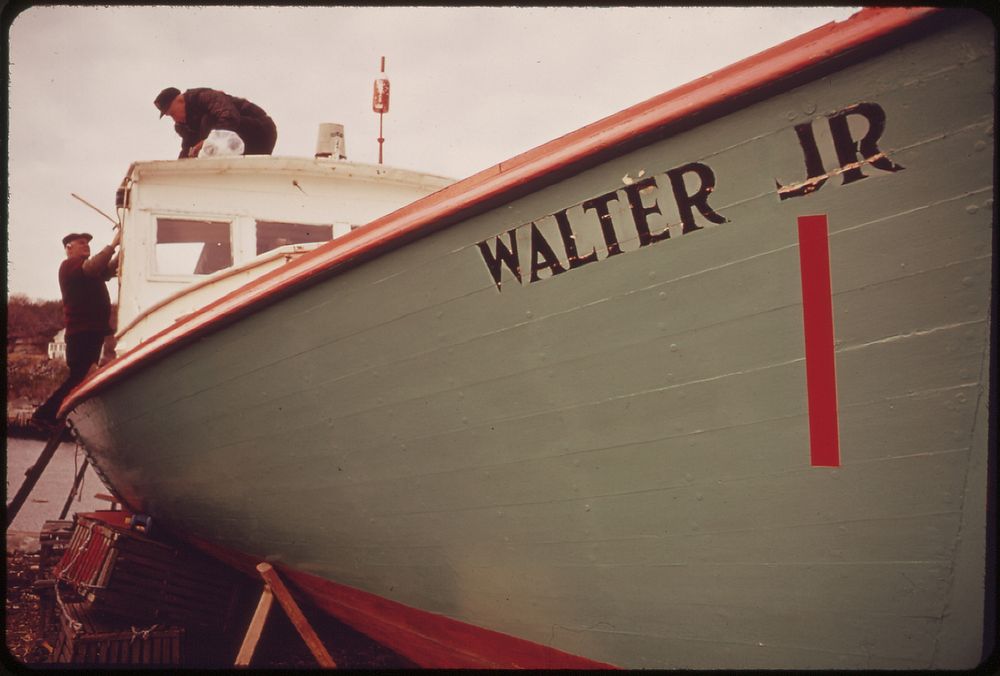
(59, 651)
(291, 609)
(131, 605)
(192, 571)
(177, 577)
(202, 572)
(154, 586)
(255, 629)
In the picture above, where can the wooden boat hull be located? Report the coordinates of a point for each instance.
(612, 452)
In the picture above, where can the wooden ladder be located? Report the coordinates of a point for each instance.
(32, 473)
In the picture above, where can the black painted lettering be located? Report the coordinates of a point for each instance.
(641, 211)
(848, 149)
(643, 200)
(600, 205)
(851, 154)
(698, 199)
(539, 247)
(569, 242)
(507, 256)
(814, 165)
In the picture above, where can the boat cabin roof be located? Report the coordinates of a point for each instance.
(268, 165)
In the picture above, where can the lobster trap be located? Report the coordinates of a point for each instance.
(122, 572)
(90, 637)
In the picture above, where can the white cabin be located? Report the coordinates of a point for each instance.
(195, 229)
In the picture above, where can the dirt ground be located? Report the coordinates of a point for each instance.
(23, 613)
(280, 646)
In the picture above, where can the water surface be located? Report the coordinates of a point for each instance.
(49, 495)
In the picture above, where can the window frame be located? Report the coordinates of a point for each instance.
(235, 247)
(257, 222)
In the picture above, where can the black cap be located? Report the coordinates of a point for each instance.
(77, 235)
(165, 98)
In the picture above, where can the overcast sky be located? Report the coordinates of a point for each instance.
(470, 87)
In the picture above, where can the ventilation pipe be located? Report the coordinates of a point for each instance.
(330, 142)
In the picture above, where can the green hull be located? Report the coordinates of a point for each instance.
(615, 460)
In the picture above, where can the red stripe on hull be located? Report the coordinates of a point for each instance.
(427, 639)
(817, 313)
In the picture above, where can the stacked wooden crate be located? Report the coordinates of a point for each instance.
(53, 540)
(88, 636)
(116, 579)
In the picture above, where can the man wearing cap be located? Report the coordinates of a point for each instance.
(87, 310)
(196, 112)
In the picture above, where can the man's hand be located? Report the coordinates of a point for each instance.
(195, 149)
(103, 264)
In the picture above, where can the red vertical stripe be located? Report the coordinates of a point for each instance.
(817, 312)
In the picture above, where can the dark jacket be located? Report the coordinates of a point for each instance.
(209, 109)
(86, 303)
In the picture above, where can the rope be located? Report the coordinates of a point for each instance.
(65, 613)
(143, 633)
(93, 465)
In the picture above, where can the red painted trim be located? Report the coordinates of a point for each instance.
(427, 639)
(501, 181)
(817, 315)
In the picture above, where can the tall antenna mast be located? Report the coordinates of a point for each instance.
(380, 104)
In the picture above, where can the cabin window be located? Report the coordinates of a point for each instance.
(271, 235)
(185, 247)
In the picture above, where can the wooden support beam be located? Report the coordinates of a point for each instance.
(256, 628)
(115, 505)
(35, 471)
(274, 587)
(299, 620)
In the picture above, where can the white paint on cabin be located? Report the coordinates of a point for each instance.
(57, 347)
(194, 230)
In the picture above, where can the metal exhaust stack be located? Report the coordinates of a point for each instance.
(330, 142)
